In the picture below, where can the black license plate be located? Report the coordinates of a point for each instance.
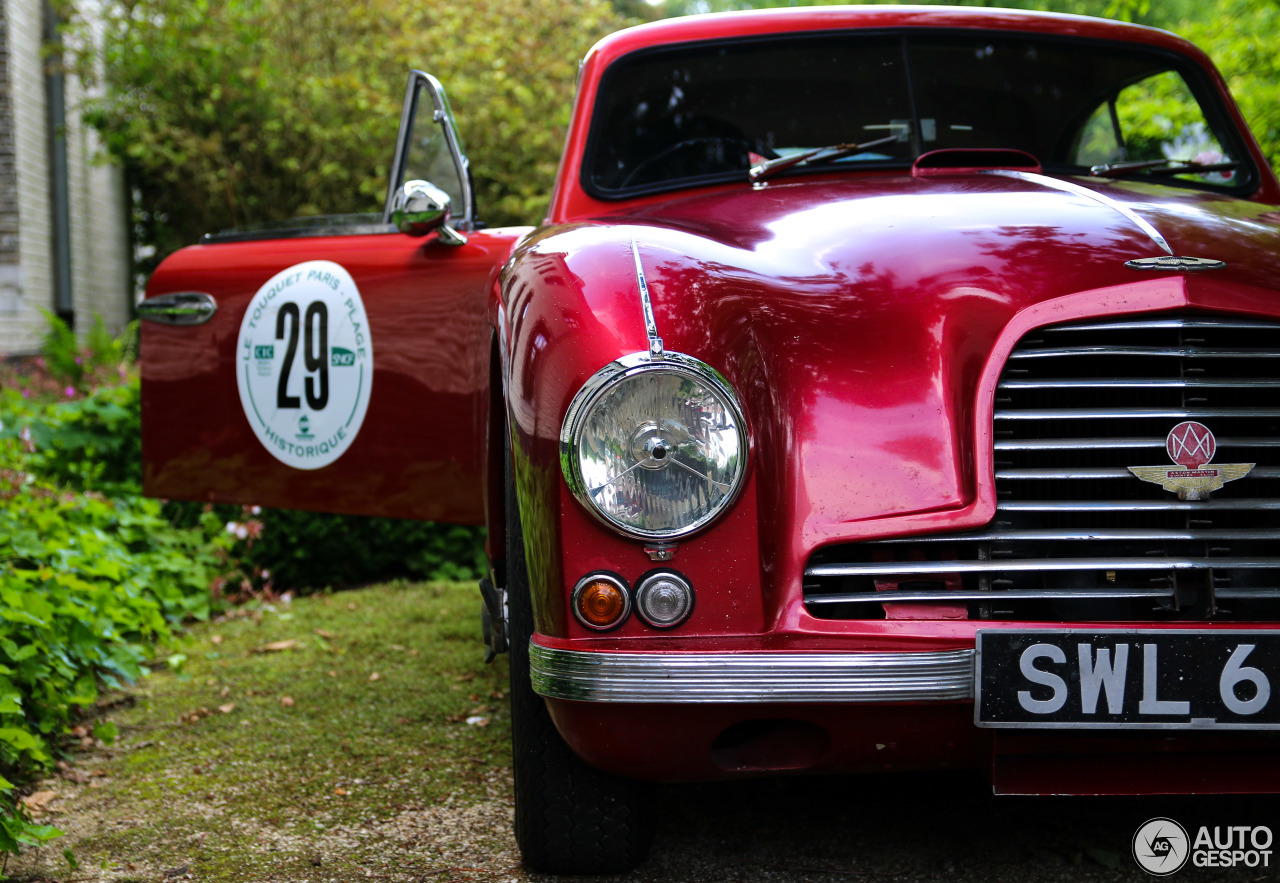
(1145, 679)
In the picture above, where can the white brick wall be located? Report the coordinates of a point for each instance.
(20, 329)
(99, 245)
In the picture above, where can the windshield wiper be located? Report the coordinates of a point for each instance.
(818, 154)
(1160, 167)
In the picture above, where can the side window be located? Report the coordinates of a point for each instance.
(1161, 119)
(1155, 119)
(428, 149)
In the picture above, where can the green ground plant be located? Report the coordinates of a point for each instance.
(90, 573)
(87, 582)
(82, 444)
(88, 363)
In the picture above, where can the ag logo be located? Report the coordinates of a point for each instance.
(1161, 847)
(305, 364)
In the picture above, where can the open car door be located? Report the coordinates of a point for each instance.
(333, 364)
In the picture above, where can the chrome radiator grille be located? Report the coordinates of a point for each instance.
(1077, 536)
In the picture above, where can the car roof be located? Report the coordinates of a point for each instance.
(727, 25)
(569, 201)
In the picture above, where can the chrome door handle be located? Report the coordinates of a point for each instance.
(179, 308)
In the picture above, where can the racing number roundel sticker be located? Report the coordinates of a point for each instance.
(305, 364)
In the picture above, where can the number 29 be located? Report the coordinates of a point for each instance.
(315, 354)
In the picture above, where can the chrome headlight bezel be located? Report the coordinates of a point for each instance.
(605, 380)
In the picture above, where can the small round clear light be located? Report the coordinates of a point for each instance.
(655, 448)
(601, 601)
(664, 599)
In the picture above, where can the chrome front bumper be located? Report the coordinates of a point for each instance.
(751, 677)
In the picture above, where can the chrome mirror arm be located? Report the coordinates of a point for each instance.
(449, 236)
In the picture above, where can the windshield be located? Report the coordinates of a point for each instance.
(708, 112)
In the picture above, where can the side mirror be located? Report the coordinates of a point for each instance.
(429, 187)
(419, 207)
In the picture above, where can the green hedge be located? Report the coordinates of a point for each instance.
(285, 550)
(304, 550)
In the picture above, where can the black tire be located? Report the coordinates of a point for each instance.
(570, 818)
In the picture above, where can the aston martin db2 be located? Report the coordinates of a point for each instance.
(886, 388)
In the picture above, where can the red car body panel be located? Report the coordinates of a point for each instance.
(662, 743)
(864, 318)
(931, 312)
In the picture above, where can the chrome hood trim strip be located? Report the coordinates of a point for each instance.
(751, 677)
(1068, 187)
(646, 304)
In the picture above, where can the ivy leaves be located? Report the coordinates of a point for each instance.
(87, 580)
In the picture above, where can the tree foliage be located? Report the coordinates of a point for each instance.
(227, 112)
(1238, 36)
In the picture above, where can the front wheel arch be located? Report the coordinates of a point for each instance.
(570, 818)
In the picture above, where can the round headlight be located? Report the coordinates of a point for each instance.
(655, 448)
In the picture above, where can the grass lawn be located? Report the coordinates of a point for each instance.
(340, 737)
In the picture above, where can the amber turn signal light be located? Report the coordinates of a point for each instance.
(601, 601)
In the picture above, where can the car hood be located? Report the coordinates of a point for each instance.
(1033, 235)
(864, 320)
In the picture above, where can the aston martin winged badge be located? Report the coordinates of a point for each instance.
(1191, 446)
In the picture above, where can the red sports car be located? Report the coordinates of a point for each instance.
(886, 388)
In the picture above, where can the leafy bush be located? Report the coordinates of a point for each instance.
(277, 550)
(304, 550)
(61, 350)
(81, 365)
(90, 443)
(86, 584)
